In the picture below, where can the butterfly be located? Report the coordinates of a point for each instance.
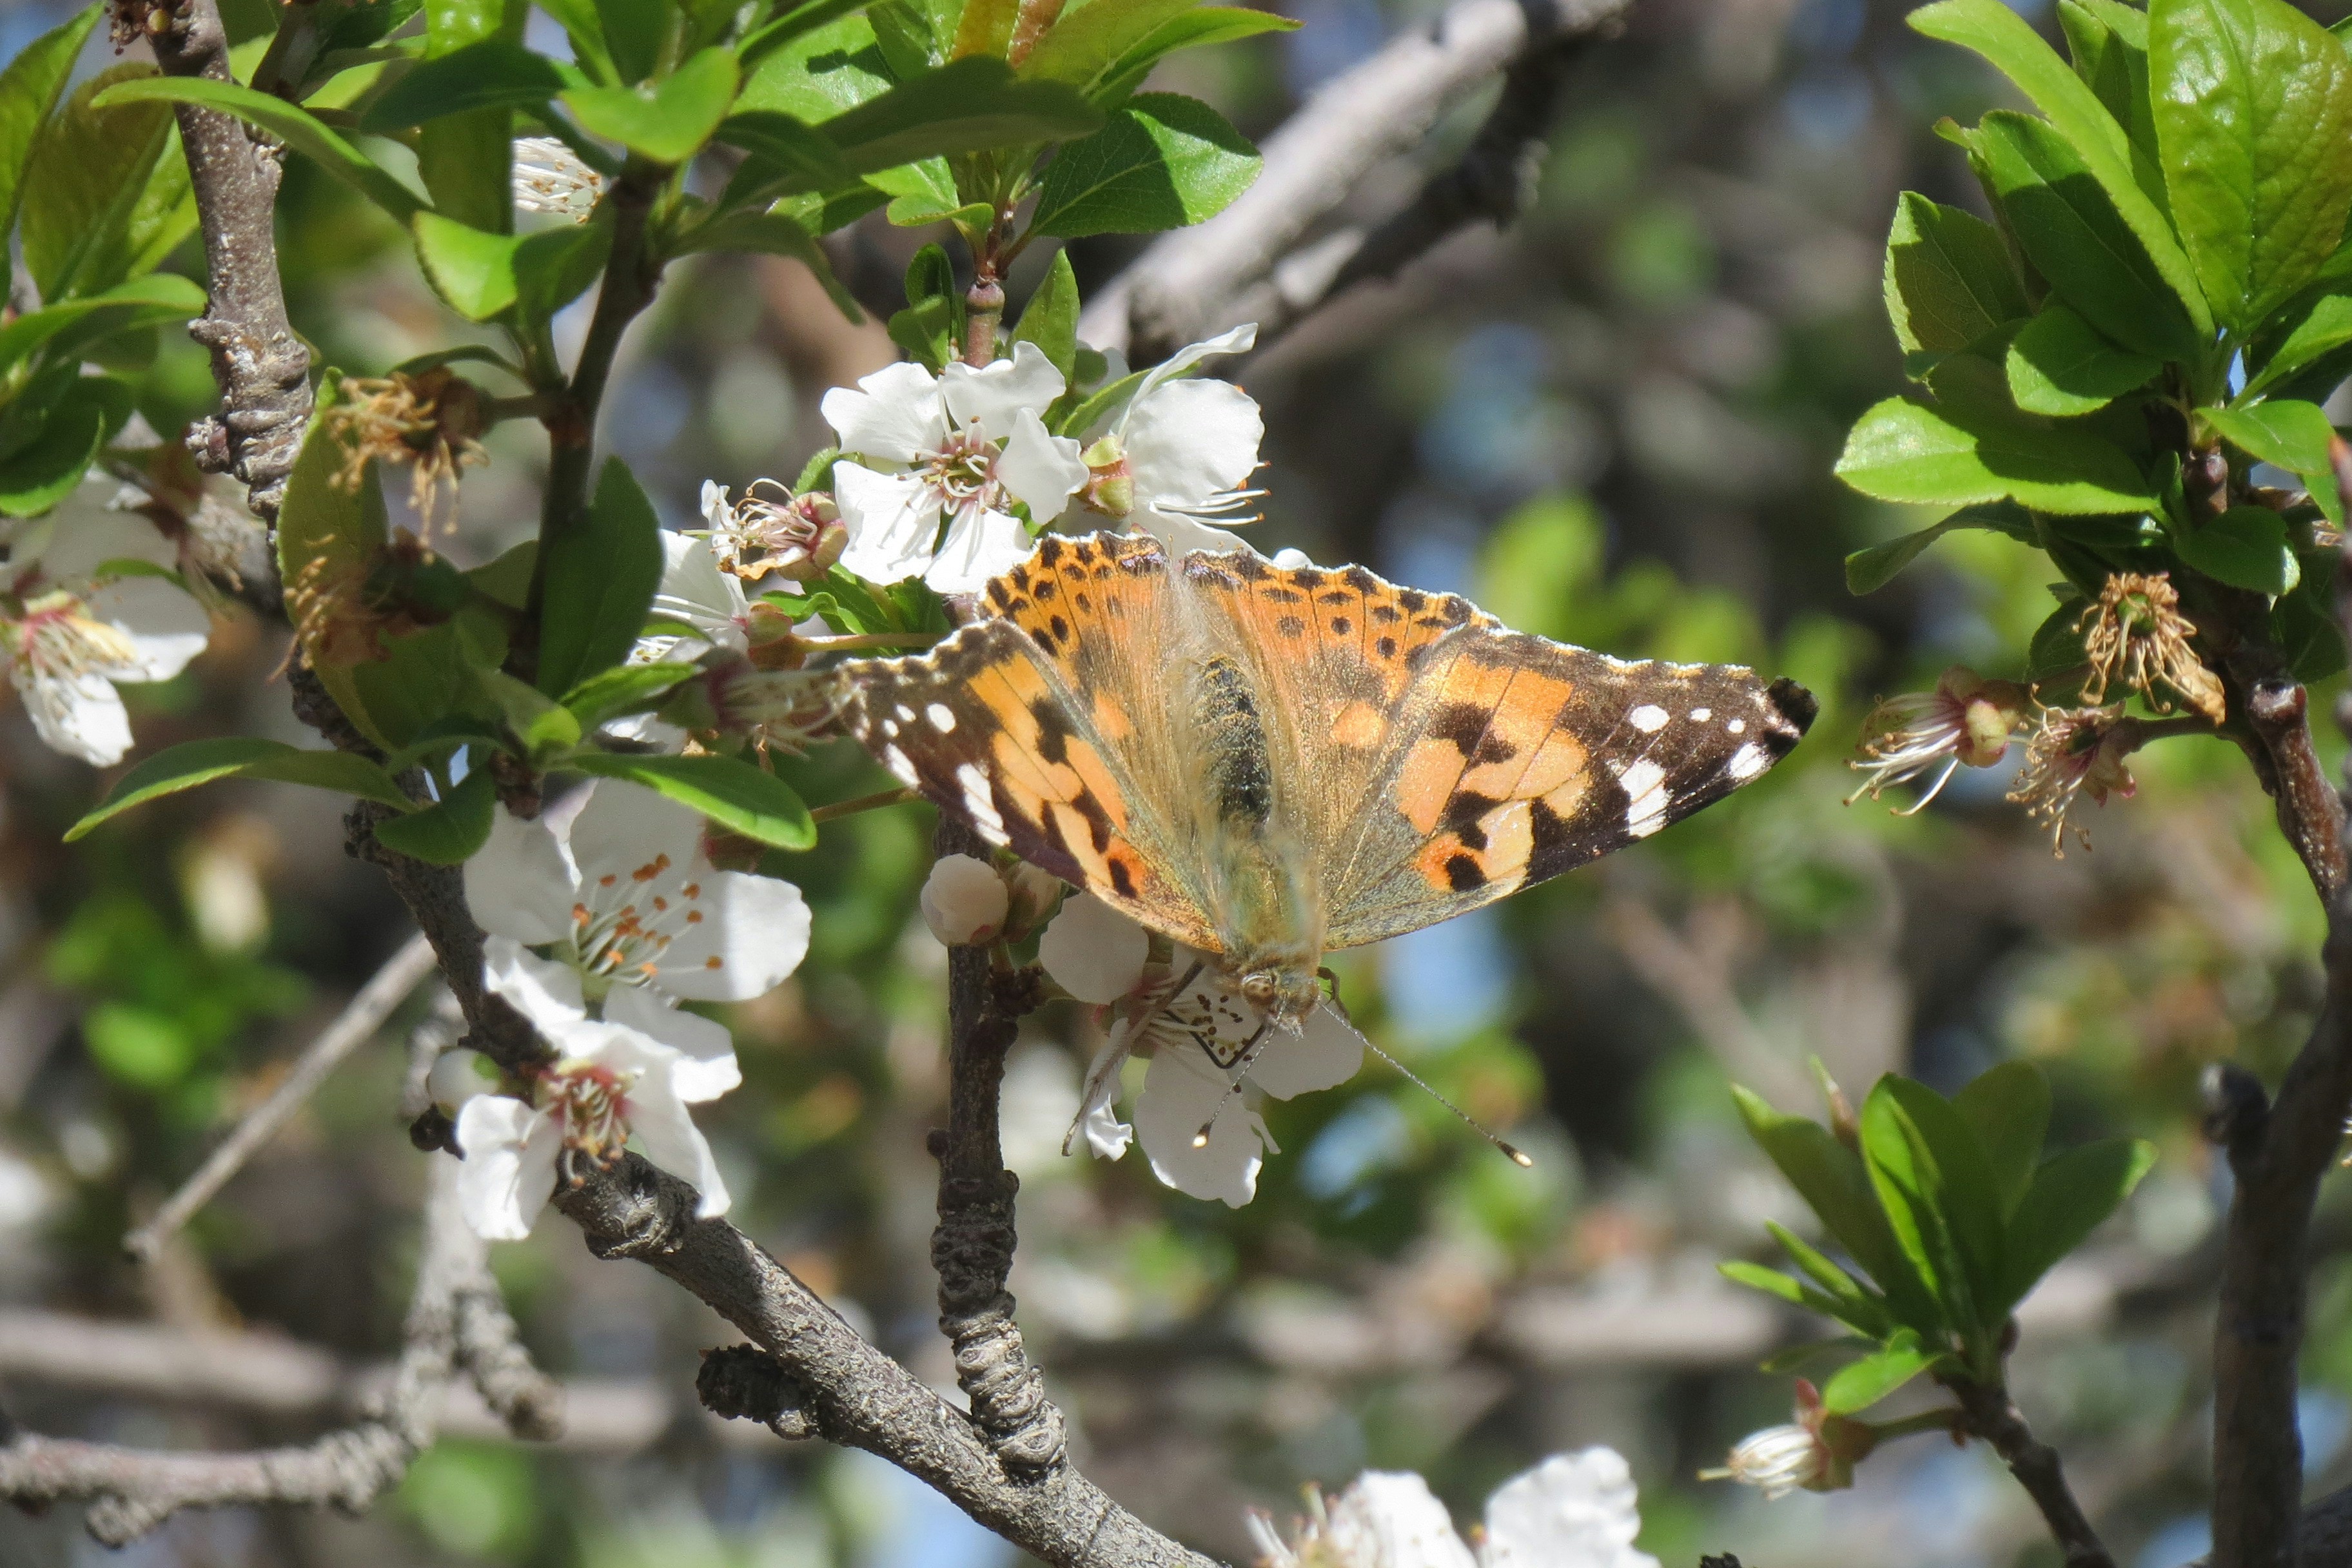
(1265, 762)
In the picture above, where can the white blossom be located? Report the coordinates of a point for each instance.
(1573, 1510)
(711, 612)
(549, 177)
(1187, 445)
(1196, 1125)
(964, 900)
(617, 890)
(960, 449)
(78, 616)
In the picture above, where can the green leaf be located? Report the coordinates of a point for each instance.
(585, 29)
(1905, 451)
(1862, 1384)
(159, 299)
(1938, 1190)
(496, 73)
(555, 266)
(194, 763)
(472, 271)
(925, 192)
(1163, 161)
(2291, 434)
(2253, 119)
(986, 27)
(788, 156)
(29, 88)
(792, 27)
(290, 124)
(41, 472)
(2060, 365)
(819, 74)
(2070, 1195)
(1772, 1282)
(633, 32)
(1050, 319)
(734, 794)
(1867, 571)
(1195, 28)
(2110, 42)
(2308, 632)
(88, 176)
(538, 720)
(968, 106)
(932, 323)
(623, 689)
(1832, 1180)
(2245, 547)
(1859, 1308)
(1948, 279)
(2057, 643)
(466, 161)
(2318, 329)
(2007, 1107)
(2068, 225)
(601, 573)
(774, 234)
(667, 122)
(1999, 33)
(451, 830)
(1086, 44)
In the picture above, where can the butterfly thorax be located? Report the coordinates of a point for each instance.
(1266, 897)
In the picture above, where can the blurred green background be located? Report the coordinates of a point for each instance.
(1614, 426)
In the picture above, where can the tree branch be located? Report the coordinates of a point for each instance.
(1988, 1413)
(1193, 282)
(358, 1020)
(973, 1247)
(262, 368)
(828, 1383)
(456, 1322)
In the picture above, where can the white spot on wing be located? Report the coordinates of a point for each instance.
(890, 729)
(942, 716)
(900, 768)
(1748, 762)
(1737, 726)
(904, 714)
(978, 804)
(1649, 718)
(1701, 715)
(1646, 797)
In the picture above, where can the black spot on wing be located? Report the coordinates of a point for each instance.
(1464, 723)
(1463, 875)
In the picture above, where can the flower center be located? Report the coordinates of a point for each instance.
(623, 925)
(591, 1102)
(57, 637)
(962, 472)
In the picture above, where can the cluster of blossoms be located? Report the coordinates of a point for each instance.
(1573, 1510)
(605, 915)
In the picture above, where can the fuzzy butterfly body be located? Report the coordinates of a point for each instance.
(1265, 763)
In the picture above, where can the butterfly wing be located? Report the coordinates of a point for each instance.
(1513, 759)
(1029, 725)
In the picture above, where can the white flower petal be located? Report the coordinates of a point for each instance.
(754, 932)
(1107, 1136)
(1039, 470)
(1184, 1092)
(660, 1120)
(707, 1067)
(1191, 440)
(509, 1171)
(694, 590)
(1389, 1519)
(895, 415)
(1326, 1052)
(976, 549)
(72, 556)
(1573, 1510)
(893, 521)
(81, 715)
(457, 1076)
(1182, 534)
(989, 395)
(1239, 340)
(547, 994)
(621, 838)
(166, 624)
(1092, 951)
(519, 883)
(964, 900)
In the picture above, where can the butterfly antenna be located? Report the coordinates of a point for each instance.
(1517, 1156)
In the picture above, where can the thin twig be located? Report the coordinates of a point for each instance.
(358, 1020)
(1988, 1413)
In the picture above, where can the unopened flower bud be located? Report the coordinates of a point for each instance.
(458, 1076)
(964, 900)
(1816, 1453)
(1035, 893)
(1110, 479)
(769, 640)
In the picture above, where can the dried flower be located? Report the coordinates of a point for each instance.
(549, 177)
(1966, 720)
(1817, 1453)
(783, 710)
(344, 608)
(773, 530)
(430, 421)
(2076, 751)
(2136, 637)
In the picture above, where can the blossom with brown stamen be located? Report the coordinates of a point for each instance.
(773, 530)
(2135, 636)
(1967, 721)
(2076, 752)
(344, 608)
(431, 422)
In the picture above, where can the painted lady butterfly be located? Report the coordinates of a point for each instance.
(1265, 763)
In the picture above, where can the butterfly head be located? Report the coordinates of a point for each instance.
(1285, 995)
